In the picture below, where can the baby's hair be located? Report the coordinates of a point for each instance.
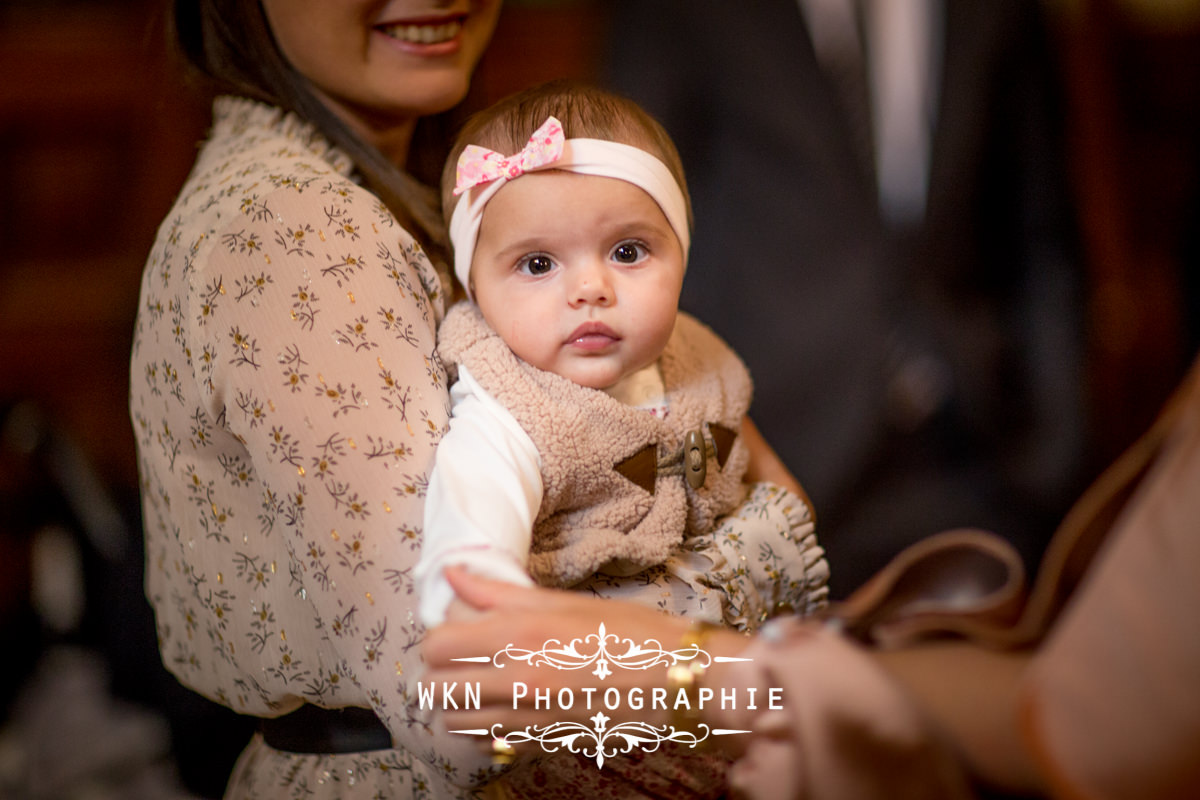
(586, 112)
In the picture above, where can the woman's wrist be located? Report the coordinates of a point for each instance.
(702, 677)
(686, 674)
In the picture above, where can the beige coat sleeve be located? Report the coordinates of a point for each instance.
(1113, 699)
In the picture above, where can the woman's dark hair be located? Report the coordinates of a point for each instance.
(230, 43)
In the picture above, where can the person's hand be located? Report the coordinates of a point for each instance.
(528, 618)
(460, 611)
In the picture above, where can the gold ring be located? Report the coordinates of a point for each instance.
(502, 752)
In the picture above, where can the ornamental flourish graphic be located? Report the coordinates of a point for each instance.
(599, 742)
(575, 656)
(604, 652)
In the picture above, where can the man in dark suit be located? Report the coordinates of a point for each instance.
(917, 369)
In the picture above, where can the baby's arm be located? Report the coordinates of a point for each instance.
(484, 494)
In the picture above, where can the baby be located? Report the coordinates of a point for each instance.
(599, 437)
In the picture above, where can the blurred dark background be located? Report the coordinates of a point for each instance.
(97, 132)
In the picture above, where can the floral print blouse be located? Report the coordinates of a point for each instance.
(286, 401)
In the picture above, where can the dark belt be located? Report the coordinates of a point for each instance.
(312, 729)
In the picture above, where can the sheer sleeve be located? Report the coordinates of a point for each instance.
(313, 331)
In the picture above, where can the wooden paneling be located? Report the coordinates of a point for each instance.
(1133, 92)
(96, 136)
(541, 41)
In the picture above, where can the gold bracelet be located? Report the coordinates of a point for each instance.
(686, 677)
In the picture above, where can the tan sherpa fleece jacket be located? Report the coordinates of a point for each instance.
(590, 513)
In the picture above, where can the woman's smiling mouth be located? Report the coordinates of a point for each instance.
(423, 33)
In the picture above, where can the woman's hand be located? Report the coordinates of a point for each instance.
(527, 618)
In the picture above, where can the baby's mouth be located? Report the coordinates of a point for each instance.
(593, 336)
(423, 33)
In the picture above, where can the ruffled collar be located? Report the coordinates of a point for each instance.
(242, 115)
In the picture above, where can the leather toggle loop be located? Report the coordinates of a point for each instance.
(695, 458)
(641, 468)
(690, 460)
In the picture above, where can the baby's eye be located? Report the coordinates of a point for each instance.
(628, 253)
(536, 264)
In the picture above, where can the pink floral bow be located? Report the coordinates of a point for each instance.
(479, 165)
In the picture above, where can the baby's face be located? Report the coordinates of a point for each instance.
(579, 275)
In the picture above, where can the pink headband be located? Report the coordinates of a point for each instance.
(481, 173)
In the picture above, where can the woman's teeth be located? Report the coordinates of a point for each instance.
(424, 34)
